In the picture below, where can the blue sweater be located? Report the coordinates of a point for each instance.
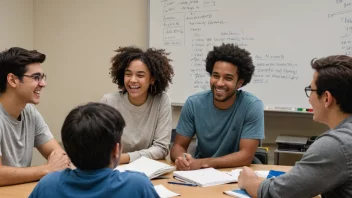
(97, 183)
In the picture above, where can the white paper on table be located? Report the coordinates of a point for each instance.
(262, 173)
(259, 173)
(164, 192)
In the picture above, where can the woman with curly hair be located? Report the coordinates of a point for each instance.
(142, 77)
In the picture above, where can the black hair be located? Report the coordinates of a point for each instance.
(15, 61)
(232, 54)
(335, 76)
(90, 133)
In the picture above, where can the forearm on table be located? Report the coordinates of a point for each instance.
(252, 188)
(231, 160)
(153, 152)
(15, 175)
(176, 151)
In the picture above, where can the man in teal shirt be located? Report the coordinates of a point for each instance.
(228, 123)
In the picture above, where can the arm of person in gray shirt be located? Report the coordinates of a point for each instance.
(46, 145)
(9, 175)
(322, 168)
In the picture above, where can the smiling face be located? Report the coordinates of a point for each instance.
(29, 89)
(137, 80)
(224, 83)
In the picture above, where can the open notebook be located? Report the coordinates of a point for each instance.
(151, 168)
(205, 177)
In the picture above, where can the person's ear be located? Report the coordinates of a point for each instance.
(116, 151)
(329, 99)
(239, 83)
(152, 80)
(12, 80)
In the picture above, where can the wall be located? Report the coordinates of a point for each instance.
(78, 37)
(16, 23)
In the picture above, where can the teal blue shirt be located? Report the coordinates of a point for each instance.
(219, 131)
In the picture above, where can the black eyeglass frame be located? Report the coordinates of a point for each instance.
(36, 77)
(309, 90)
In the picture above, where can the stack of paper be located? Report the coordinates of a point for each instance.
(151, 168)
(205, 177)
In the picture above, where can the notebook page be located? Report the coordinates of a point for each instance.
(238, 193)
(205, 177)
(145, 165)
(259, 173)
(164, 192)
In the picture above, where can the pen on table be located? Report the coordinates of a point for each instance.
(180, 183)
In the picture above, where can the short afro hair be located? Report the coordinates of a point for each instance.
(232, 54)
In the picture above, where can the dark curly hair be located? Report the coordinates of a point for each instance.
(232, 54)
(335, 76)
(156, 60)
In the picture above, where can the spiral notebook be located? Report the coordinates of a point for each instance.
(151, 168)
(205, 177)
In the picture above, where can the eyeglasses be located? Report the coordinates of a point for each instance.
(36, 77)
(309, 90)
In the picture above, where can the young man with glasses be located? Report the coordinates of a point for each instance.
(326, 167)
(21, 126)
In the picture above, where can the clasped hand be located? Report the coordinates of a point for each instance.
(187, 162)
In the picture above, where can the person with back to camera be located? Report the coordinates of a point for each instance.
(142, 77)
(91, 135)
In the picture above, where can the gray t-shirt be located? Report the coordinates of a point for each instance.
(148, 127)
(326, 169)
(18, 138)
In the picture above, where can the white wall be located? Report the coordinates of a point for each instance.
(16, 24)
(78, 37)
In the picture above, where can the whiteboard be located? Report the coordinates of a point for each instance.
(282, 36)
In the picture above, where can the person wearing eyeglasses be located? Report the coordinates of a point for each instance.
(326, 167)
(21, 126)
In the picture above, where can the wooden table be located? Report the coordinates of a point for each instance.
(24, 190)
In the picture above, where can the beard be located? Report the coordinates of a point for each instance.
(227, 97)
